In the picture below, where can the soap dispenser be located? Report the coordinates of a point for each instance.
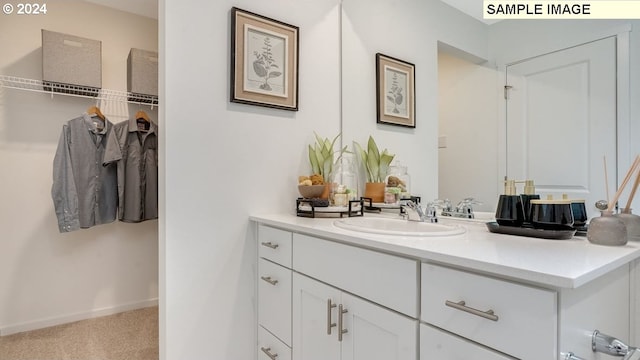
(510, 211)
(528, 195)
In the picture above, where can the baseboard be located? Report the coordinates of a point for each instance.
(65, 319)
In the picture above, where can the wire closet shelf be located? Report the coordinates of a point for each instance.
(13, 82)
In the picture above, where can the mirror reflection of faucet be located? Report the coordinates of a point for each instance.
(464, 209)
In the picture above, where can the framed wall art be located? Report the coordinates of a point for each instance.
(395, 91)
(264, 61)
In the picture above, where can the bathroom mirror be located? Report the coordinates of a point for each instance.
(470, 143)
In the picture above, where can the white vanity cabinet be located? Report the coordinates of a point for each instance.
(274, 293)
(330, 294)
(342, 302)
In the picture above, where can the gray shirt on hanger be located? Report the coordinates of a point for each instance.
(85, 193)
(136, 155)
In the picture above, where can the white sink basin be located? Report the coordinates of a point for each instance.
(396, 227)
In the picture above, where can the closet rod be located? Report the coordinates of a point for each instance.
(12, 82)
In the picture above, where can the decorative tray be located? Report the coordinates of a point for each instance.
(494, 227)
(313, 207)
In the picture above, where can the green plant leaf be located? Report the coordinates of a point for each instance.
(373, 150)
(363, 159)
(385, 160)
(313, 160)
(374, 167)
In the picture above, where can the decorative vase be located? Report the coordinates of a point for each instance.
(344, 182)
(374, 191)
(607, 230)
(632, 223)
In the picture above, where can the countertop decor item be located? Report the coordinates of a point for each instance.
(376, 166)
(632, 221)
(528, 231)
(321, 155)
(609, 229)
(343, 181)
(510, 210)
(310, 191)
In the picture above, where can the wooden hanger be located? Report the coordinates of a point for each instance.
(94, 110)
(142, 115)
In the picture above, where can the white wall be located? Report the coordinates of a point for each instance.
(47, 277)
(225, 161)
(408, 30)
(468, 98)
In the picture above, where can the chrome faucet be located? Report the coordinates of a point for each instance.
(609, 345)
(464, 209)
(415, 212)
(605, 344)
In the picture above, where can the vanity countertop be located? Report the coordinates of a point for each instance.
(550, 263)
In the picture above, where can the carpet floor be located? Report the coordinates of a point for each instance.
(125, 336)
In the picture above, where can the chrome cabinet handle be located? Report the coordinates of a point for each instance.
(341, 330)
(269, 280)
(268, 352)
(461, 305)
(270, 245)
(330, 305)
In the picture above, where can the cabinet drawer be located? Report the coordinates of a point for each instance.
(274, 304)
(437, 344)
(385, 279)
(275, 245)
(270, 348)
(523, 322)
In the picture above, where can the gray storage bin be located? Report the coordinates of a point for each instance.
(142, 72)
(71, 60)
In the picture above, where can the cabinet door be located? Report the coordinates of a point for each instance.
(375, 333)
(313, 336)
(436, 344)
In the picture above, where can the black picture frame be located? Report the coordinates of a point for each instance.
(395, 91)
(264, 61)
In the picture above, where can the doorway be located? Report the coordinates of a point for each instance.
(561, 121)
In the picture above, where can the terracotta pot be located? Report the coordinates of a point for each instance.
(326, 191)
(375, 191)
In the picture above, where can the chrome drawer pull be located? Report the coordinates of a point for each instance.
(269, 280)
(341, 330)
(270, 245)
(268, 352)
(330, 305)
(460, 305)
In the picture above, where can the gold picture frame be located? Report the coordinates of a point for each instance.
(264, 61)
(395, 91)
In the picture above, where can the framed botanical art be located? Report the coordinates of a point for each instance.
(395, 91)
(264, 61)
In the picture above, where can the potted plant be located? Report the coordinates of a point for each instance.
(321, 158)
(376, 166)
